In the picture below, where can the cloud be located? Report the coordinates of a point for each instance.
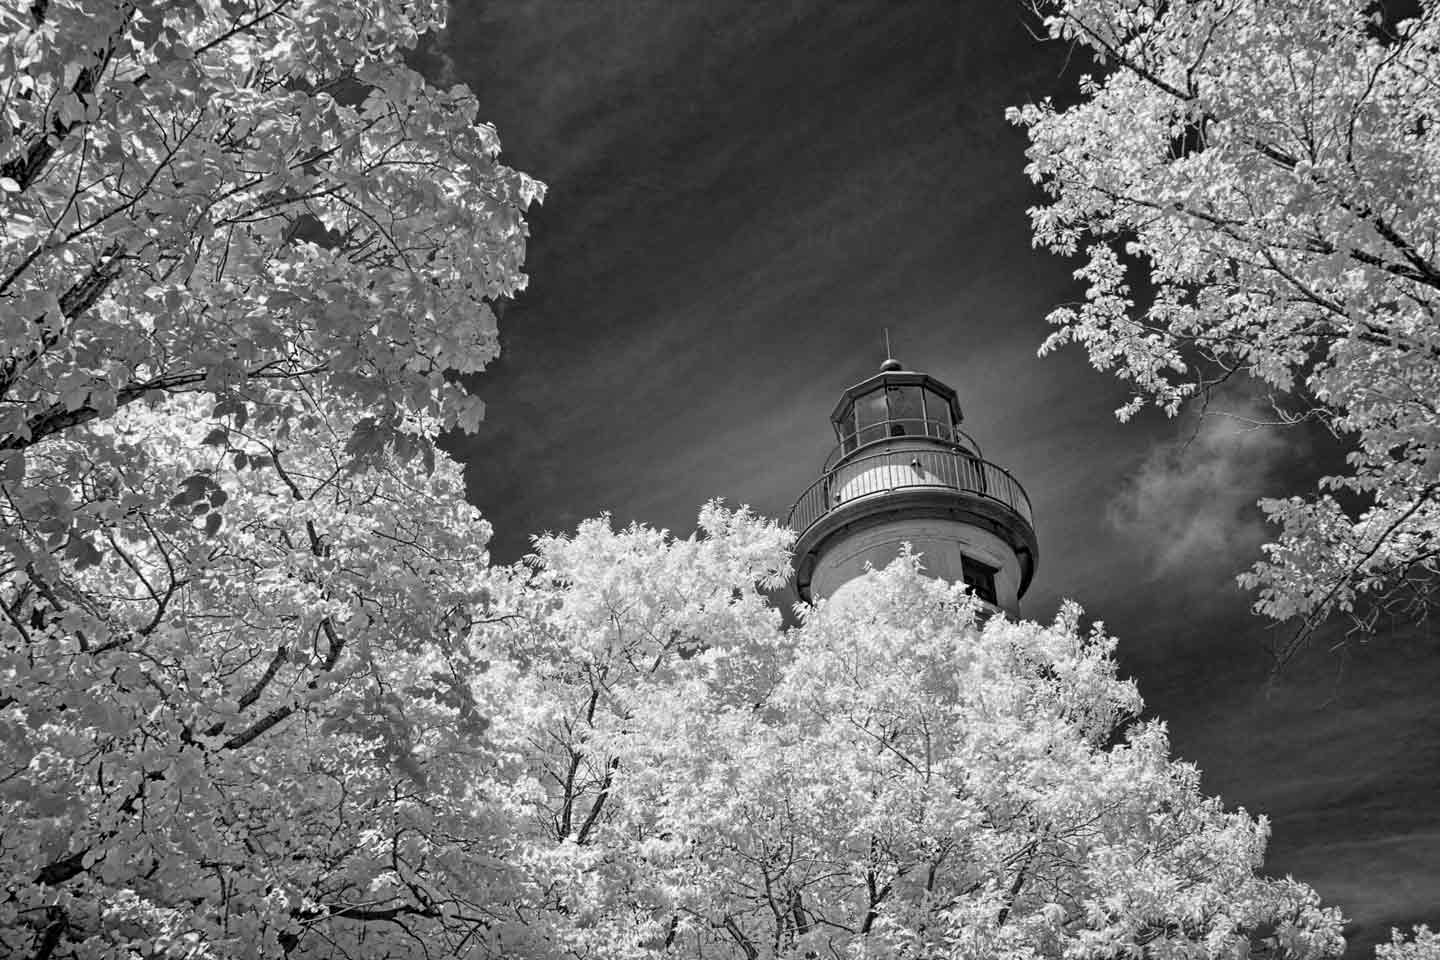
(1192, 504)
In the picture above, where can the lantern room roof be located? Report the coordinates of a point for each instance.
(892, 375)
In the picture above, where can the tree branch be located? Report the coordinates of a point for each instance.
(54, 930)
(599, 803)
(1321, 610)
(26, 168)
(253, 694)
(57, 417)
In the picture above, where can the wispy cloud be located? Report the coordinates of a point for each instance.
(1192, 504)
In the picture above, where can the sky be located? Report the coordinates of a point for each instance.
(742, 197)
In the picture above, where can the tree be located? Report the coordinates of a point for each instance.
(1424, 945)
(241, 736)
(164, 165)
(1270, 172)
(890, 778)
(242, 247)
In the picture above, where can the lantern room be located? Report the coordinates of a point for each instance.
(897, 403)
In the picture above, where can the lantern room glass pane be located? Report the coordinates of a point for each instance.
(907, 412)
(870, 416)
(846, 429)
(937, 416)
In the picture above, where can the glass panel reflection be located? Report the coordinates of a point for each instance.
(847, 429)
(907, 413)
(937, 416)
(870, 416)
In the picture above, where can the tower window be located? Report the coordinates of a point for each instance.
(980, 578)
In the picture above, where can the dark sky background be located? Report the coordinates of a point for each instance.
(742, 196)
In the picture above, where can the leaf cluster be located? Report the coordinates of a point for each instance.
(1271, 172)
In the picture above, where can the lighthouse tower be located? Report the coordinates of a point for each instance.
(904, 472)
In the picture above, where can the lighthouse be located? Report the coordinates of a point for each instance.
(902, 471)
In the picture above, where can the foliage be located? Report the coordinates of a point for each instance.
(1423, 945)
(241, 244)
(225, 738)
(890, 778)
(1271, 172)
(613, 750)
(163, 167)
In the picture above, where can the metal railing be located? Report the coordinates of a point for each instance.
(906, 469)
(885, 430)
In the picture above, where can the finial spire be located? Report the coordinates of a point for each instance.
(890, 362)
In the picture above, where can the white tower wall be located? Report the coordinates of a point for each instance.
(941, 543)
